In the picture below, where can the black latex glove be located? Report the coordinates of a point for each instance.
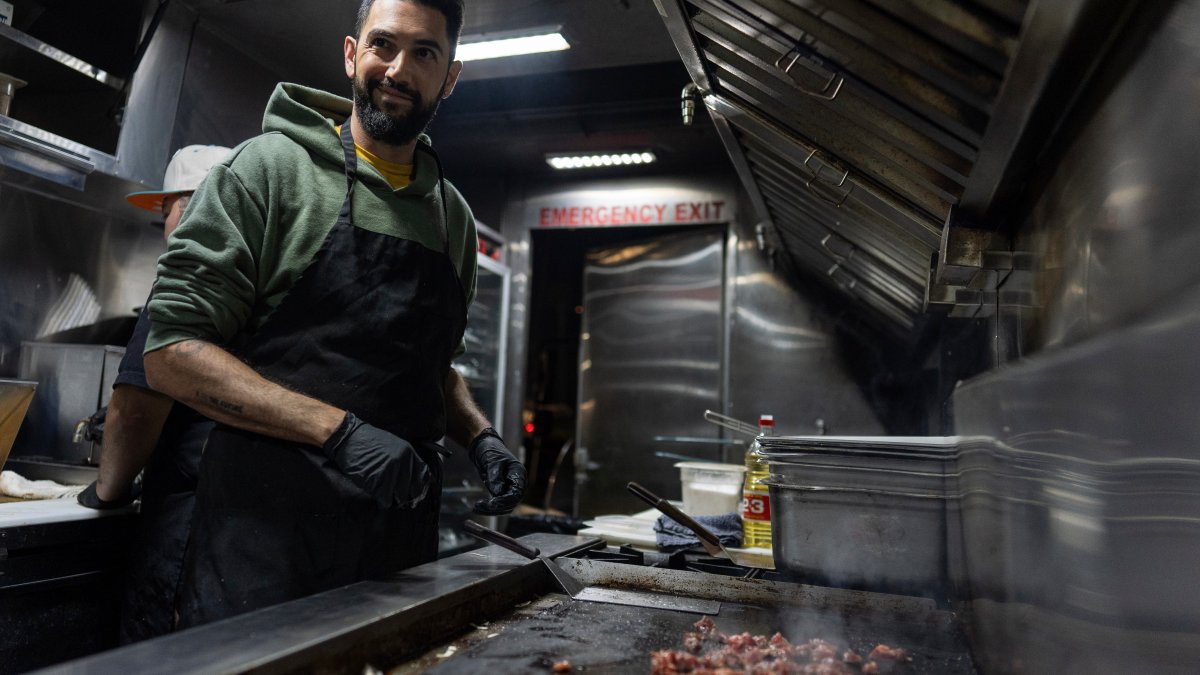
(90, 499)
(384, 465)
(93, 430)
(500, 471)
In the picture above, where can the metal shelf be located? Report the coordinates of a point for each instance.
(50, 156)
(55, 54)
(39, 148)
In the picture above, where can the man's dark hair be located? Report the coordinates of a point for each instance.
(451, 9)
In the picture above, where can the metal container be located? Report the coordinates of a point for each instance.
(863, 512)
(74, 381)
(15, 396)
(903, 452)
(875, 540)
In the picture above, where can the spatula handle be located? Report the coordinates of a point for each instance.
(503, 540)
(702, 532)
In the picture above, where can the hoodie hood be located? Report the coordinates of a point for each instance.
(308, 116)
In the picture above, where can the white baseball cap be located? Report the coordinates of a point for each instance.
(185, 171)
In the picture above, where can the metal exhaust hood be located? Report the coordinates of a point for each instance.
(866, 131)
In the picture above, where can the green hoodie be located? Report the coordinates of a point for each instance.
(261, 214)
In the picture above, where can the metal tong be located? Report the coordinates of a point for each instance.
(731, 423)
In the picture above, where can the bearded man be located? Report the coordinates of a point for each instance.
(310, 303)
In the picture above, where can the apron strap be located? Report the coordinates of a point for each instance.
(445, 224)
(345, 216)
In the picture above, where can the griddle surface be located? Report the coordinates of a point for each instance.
(602, 638)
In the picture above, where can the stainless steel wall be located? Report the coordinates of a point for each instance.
(1116, 229)
(224, 93)
(1081, 519)
(783, 353)
(49, 234)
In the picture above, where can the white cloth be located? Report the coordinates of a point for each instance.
(13, 484)
(77, 306)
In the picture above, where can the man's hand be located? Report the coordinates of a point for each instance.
(384, 465)
(500, 471)
(90, 499)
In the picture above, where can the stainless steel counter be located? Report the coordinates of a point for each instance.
(61, 571)
(382, 620)
(421, 612)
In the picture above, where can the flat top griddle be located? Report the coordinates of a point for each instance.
(598, 638)
(404, 623)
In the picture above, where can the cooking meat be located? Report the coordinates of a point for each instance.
(759, 655)
(889, 653)
(819, 650)
(707, 627)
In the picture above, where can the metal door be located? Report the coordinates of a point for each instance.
(650, 364)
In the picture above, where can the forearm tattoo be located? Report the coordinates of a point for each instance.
(227, 406)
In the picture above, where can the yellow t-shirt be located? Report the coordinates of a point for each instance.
(397, 175)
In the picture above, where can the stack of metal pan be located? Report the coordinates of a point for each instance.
(866, 512)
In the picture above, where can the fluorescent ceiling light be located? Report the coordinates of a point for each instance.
(564, 161)
(511, 46)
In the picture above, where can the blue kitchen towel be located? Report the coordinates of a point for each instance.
(671, 536)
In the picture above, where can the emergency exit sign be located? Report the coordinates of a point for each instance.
(625, 202)
(654, 213)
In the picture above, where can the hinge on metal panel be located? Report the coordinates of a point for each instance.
(766, 237)
(974, 271)
(687, 102)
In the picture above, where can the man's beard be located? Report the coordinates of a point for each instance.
(398, 129)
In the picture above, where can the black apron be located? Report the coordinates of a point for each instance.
(164, 522)
(370, 326)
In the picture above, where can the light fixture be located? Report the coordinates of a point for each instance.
(511, 43)
(592, 160)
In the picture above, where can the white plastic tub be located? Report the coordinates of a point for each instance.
(711, 489)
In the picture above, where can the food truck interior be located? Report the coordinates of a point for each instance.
(967, 225)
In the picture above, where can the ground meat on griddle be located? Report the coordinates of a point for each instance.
(817, 650)
(884, 652)
(759, 655)
(708, 628)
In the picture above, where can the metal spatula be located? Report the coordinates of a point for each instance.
(575, 588)
(711, 542)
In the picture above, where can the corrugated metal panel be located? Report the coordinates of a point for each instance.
(857, 123)
(868, 132)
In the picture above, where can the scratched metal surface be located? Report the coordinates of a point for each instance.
(601, 638)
